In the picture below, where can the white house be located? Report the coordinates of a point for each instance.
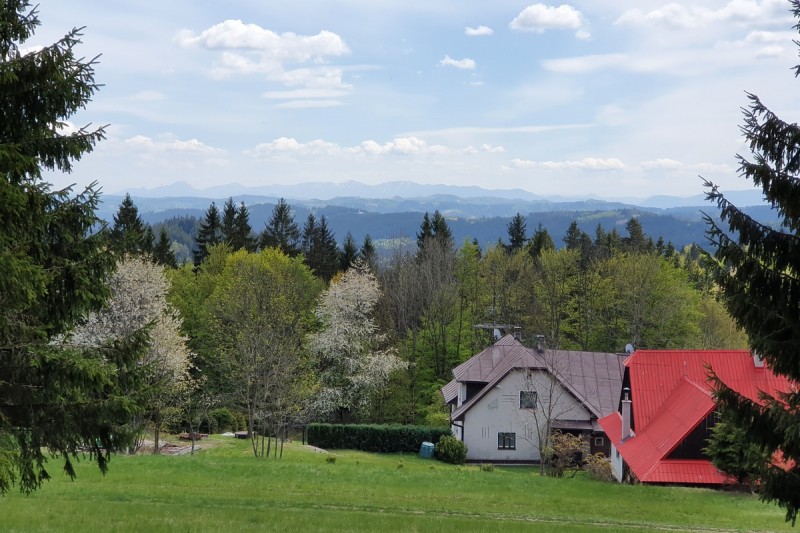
(503, 398)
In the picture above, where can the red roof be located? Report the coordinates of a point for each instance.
(671, 396)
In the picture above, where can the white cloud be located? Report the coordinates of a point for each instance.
(540, 17)
(682, 16)
(234, 34)
(148, 96)
(308, 104)
(286, 145)
(479, 31)
(148, 144)
(303, 94)
(588, 163)
(488, 148)
(770, 51)
(588, 64)
(663, 164)
(466, 63)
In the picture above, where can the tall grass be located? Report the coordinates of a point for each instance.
(226, 489)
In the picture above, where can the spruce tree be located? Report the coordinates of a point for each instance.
(162, 251)
(540, 242)
(56, 399)
(757, 268)
(228, 222)
(208, 234)
(516, 233)
(129, 234)
(281, 231)
(368, 253)
(242, 237)
(349, 252)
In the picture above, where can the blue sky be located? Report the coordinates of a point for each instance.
(592, 98)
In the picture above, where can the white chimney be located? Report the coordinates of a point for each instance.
(626, 413)
(758, 361)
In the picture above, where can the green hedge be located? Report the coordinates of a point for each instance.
(373, 438)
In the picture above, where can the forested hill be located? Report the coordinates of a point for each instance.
(395, 222)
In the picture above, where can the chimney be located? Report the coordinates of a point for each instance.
(626, 413)
(540, 343)
(758, 361)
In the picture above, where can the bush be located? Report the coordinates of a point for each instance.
(566, 451)
(598, 466)
(487, 467)
(222, 420)
(373, 437)
(451, 450)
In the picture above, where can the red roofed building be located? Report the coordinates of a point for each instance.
(660, 430)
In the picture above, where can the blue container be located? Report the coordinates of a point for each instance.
(426, 450)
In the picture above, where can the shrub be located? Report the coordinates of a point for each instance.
(566, 451)
(451, 450)
(488, 467)
(373, 437)
(223, 420)
(598, 466)
(330, 459)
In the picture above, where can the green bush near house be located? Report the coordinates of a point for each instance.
(373, 437)
(451, 450)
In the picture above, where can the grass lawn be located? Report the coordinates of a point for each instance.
(225, 488)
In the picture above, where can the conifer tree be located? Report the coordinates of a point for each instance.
(349, 252)
(540, 242)
(130, 235)
(516, 233)
(281, 231)
(55, 398)
(368, 253)
(162, 251)
(227, 222)
(758, 270)
(242, 237)
(208, 235)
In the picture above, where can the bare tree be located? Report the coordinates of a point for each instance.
(544, 399)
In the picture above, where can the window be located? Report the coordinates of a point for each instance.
(527, 399)
(506, 441)
(599, 441)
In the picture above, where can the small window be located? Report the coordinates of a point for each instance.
(506, 441)
(527, 399)
(599, 441)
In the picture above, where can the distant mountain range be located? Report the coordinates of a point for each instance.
(409, 190)
(391, 213)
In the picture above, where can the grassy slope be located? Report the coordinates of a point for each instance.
(226, 489)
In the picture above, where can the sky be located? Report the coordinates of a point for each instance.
(600, 98)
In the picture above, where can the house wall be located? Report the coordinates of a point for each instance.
(498, 411)
(616, 463)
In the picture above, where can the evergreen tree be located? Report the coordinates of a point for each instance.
(162, 252)
(241, 238)
(516, 233)
(367, 253)
(757, 268)
(55, 398)
(129, 234)
(441, 230)
(540, 242)
(228, 222)
(281, 230)
(325, 252)
(208, 235)
(636, 241)
(349, 252)
(425, 230)
(309, 234)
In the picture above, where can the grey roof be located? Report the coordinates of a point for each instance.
(594, 378)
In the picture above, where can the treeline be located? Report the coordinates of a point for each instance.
(336, 337)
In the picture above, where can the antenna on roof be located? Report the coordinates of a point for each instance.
(629, 348)
(496, 334)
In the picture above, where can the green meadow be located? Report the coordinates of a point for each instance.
(224, 488)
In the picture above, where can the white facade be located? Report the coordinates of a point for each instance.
(616, 463)
(498, 411)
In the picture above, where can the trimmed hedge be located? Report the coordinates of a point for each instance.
(373, 437)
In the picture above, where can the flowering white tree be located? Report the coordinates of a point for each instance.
(138, 299)
(350, 363)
